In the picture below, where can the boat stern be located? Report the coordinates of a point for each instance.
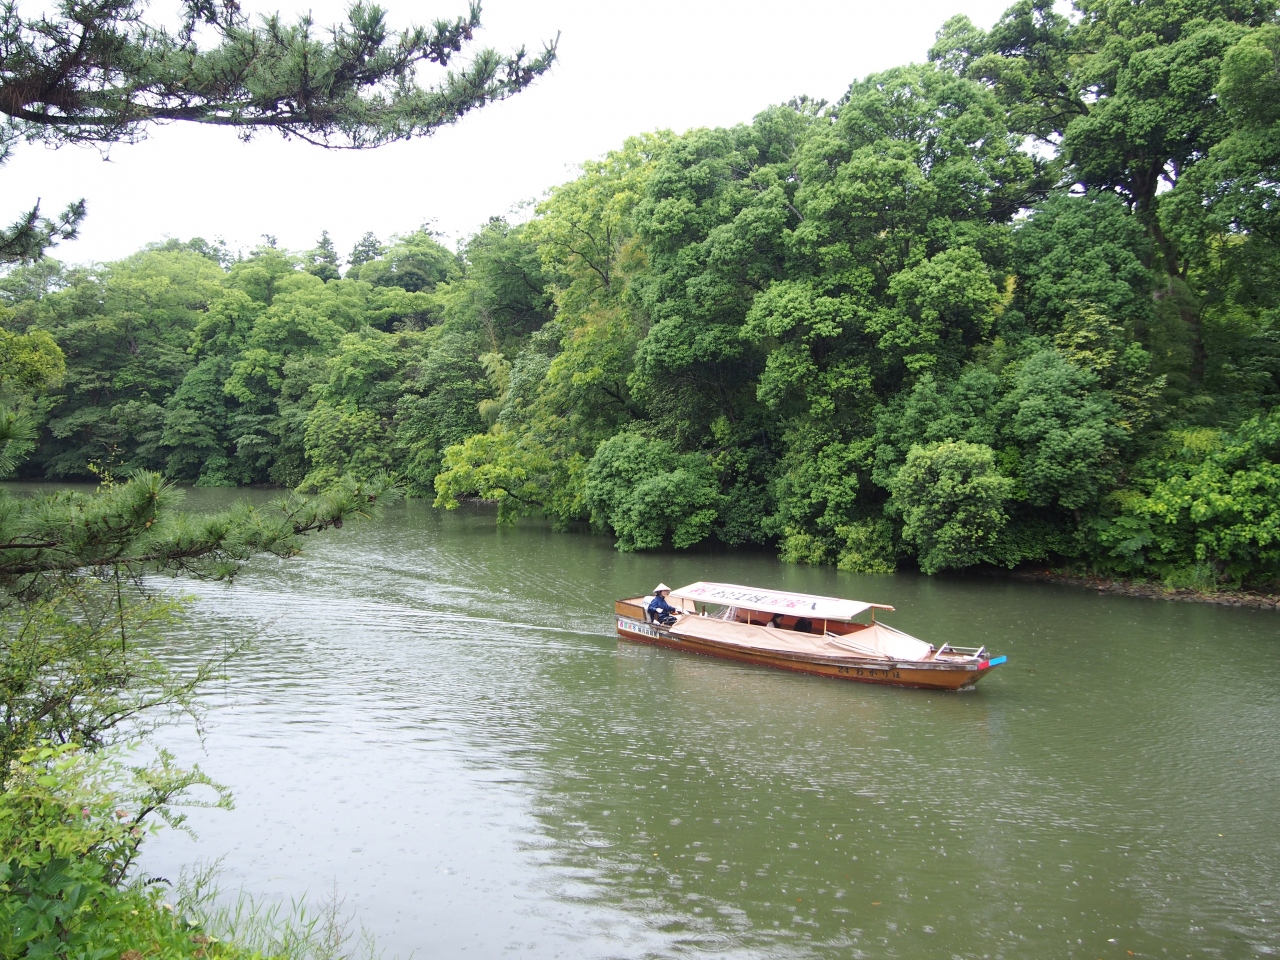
(632, 608)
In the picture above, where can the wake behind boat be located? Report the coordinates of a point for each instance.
(796, 631)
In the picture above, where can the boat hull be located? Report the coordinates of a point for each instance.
(926, 676)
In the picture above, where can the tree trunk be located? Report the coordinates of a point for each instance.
(1169, 264)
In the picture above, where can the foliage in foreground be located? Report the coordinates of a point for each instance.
(71, 823)
(83, 675)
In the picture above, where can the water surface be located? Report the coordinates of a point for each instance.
(437, 722)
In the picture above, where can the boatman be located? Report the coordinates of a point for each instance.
(659, 610)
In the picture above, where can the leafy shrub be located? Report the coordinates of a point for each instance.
(868, 547)
(1065, 427)
(1218, 503)
(796, 546)
(70, 826)
(646, 493)
(952, 502)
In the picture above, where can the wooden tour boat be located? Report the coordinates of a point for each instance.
(795, 631)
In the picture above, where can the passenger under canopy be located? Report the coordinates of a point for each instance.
(775, 601)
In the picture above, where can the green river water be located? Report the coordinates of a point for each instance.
(438, 721)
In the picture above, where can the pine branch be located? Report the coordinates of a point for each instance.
(98, 74)
(134, 527)
(29, 236)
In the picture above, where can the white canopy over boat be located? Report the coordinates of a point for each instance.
(775, 601)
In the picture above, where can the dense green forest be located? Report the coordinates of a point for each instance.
(1017, 304)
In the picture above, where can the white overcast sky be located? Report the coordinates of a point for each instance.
(624, 68)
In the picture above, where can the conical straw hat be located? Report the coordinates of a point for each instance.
(660, 587)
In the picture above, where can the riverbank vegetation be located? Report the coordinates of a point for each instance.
(1014, 305)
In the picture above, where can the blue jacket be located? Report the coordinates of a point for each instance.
(658, 606)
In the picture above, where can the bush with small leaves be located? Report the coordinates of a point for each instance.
(951, 499)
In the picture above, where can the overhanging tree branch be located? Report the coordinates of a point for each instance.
(95, 72)
(32, 234)
(133, 527)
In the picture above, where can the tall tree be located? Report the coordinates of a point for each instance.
(367, 248)
(415, 263)
(1129, 94)
(322, 262)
